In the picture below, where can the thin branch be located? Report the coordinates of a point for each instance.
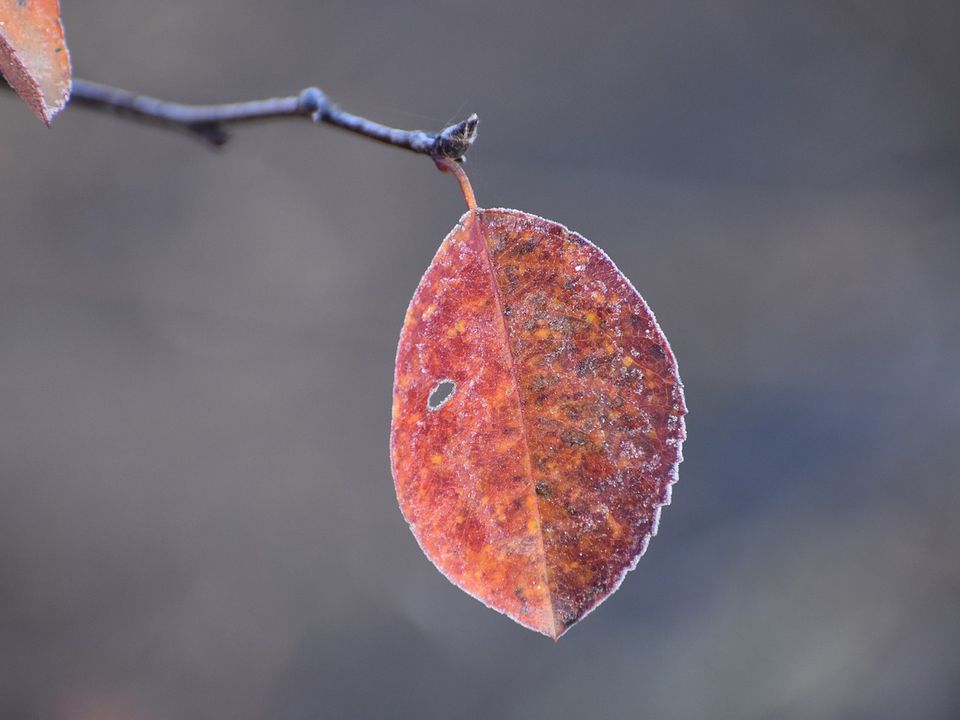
(212, 123)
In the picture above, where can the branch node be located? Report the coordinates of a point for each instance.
(313, 103)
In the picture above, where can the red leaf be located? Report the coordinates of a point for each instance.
(536, 485)
(33, 54)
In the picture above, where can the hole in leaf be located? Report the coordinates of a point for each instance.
(443, 391)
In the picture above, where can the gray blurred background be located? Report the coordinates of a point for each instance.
(197, 518)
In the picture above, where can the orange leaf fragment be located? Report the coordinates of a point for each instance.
(33, 54)
(537, 418)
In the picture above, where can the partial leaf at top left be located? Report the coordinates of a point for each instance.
(33, 55)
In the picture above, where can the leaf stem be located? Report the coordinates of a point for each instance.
(466, 188)
(212, 123)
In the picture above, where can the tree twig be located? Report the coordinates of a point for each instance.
(212, 123)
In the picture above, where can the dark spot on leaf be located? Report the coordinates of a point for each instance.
(527, 247)
(587, 366)
(541, 382)
(542, 489)
(574, 438)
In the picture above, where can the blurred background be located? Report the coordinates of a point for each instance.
(197, 517)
